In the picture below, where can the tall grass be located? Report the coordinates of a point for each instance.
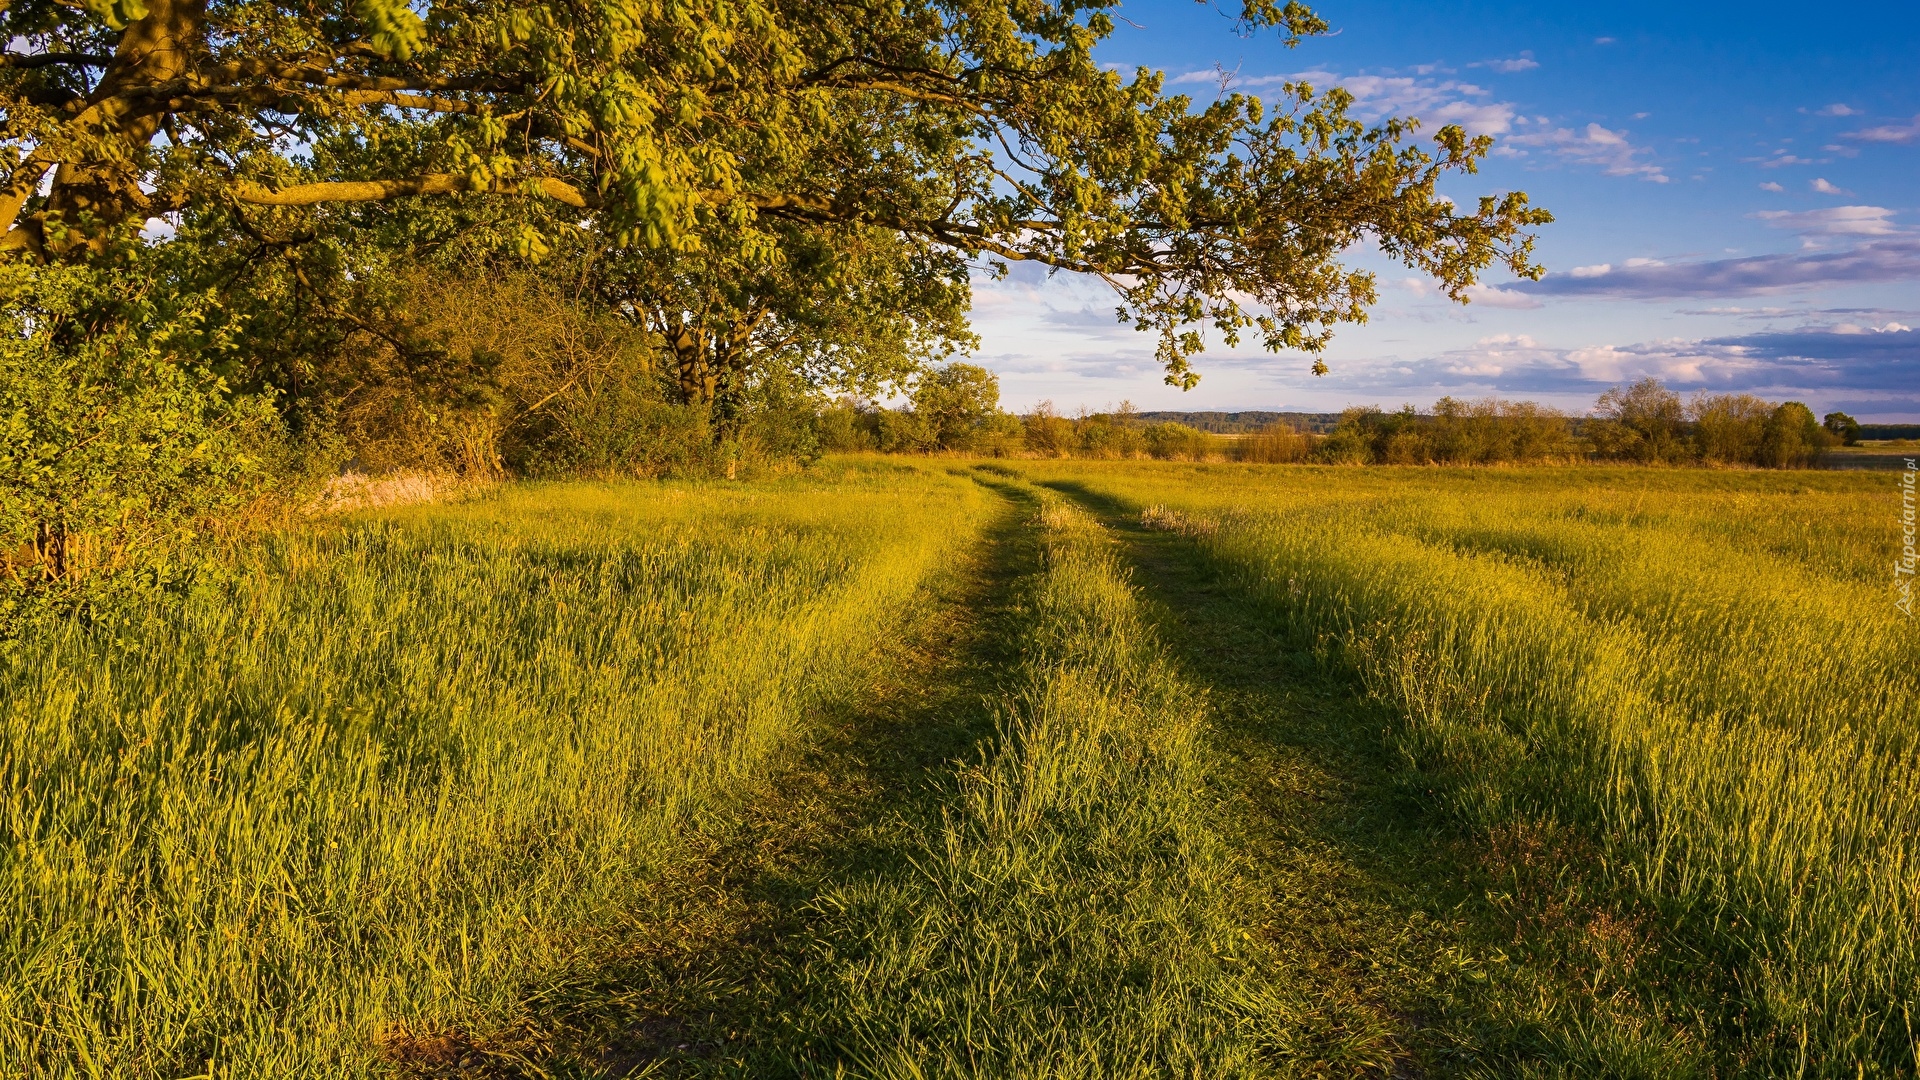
(1072, 913)
(1677, 662)
(378, 781)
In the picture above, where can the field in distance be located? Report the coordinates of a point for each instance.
(936, 767)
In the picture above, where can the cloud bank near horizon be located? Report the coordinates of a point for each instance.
(1895, 258)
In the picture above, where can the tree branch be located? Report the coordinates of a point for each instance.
(381, 190)
(29, 61)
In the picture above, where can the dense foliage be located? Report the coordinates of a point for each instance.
(962, 129)
(115, 447)
(633, 238)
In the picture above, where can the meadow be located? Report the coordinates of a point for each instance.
(375, 779)
(938, 768)
(1701, 675)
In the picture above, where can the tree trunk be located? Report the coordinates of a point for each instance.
(687, 340)
(732, 354)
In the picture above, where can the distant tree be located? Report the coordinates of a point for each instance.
(849, 309)
(1492, 430)
(1640, 422)
(1843, 427)
(1729, 429)
(1794, 439)
(955, 403)
(1179, 442)
(1046, 432)
(846, 424)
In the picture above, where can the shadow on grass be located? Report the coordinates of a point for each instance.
(706, 976)
(1422, 942)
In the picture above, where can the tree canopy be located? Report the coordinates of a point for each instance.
(963, 129)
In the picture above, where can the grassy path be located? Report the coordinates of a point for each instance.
(1417, 948)
(1341, 854)
(1344, 864)
(1080, 823)
(708, 975)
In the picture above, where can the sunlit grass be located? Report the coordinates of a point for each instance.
(1072, 913)
(1705, 671)
(398, 776)
(376, 780)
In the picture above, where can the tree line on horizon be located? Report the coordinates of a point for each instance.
(956, 409)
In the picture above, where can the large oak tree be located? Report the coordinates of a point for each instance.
(982, 127)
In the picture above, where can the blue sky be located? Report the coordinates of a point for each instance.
(1737, 189)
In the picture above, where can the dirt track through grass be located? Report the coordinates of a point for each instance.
(1082, 807)
(708, 976)
(1374, 950)
(1417, 948)
(1333, 838)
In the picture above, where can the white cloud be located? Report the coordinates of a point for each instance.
(1780, 159)
(1604, 40)
(1835, 109)
(1523, 62)
(1818, 359)
(1436, 102)
(1821, 185)
(1601, 270)
(1596, 145)
(1890, 133)
(1494, 296)
(1771, 186)
(1671, 360)
(1881, 258)
(1834, 221)
(1857, 329)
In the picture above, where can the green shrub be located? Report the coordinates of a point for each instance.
(899, 431)
(1642, 422)
(1729, 429)
(1177, 442)
(1109, 435)
(620, 428)
(1002, 435)
(954, 404)
(1046, 432)
(1488, 431)
(1793, 438)
(1842, 427)
(118, 446)
(844, 427)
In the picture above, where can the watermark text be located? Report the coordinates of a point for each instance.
(1903, 568)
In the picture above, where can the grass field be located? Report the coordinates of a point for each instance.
(1695, 684)
(936, 769)
(372, 786)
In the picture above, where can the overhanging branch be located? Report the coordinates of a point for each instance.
(383, 190)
